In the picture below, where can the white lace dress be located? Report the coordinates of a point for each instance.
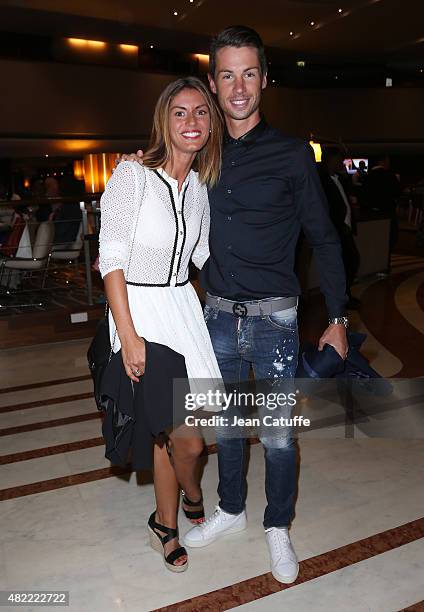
(151, 232)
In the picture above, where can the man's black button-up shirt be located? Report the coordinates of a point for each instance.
(268, 190)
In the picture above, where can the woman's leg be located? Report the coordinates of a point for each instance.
(186, 447)
(167, 494)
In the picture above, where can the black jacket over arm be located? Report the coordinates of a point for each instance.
(136, 413)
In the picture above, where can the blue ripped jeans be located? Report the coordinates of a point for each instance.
(270, 344)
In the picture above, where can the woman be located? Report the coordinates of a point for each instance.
(155, 219)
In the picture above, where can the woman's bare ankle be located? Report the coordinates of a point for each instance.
(193, 493)
(168, 519)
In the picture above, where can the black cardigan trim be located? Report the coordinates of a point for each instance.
(184, 230)
(174, 208)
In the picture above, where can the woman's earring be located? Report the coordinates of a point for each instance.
(210, 131)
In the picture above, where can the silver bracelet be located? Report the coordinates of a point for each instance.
(339, 321)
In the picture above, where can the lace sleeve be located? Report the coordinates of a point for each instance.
(201, 251)
(118, 206)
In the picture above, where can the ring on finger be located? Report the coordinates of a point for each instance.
(137, 372)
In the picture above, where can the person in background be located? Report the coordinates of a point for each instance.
(382, 190)
(53, 190)
(358, 181)
(51, 185)
(38, 192)
(68, 215)
(359, 178)
(38, 189)
(335, 184)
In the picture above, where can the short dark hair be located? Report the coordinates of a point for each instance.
(330, 153)
(237, 36)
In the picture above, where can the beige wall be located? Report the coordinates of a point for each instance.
(47, 98)
(364, 114)
(57, 98)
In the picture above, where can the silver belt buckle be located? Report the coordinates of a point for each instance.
(239, 309)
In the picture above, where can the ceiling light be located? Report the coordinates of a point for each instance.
(203, 61)
(273, 80)
(301, 64)
(77, 41)
(152, 46)
(175, 13)
(129, 48)
(80, 42)
(96, 43)
(291, 33)
(312, 23)
(340, 10)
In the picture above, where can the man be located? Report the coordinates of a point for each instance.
(333, 179)
(382, 190)
(358, 181)
(268, 189)
(359, 178)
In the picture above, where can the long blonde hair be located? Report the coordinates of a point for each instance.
(208, 160)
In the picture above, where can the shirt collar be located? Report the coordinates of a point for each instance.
(249, 137)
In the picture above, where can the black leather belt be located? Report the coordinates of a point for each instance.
(254, 308)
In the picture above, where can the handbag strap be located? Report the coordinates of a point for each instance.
(107, 308)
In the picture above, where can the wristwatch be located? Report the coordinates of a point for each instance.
(339, 321)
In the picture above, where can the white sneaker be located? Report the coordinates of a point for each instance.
(284, 563)
(219, 524)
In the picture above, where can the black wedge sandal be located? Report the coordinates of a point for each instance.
(195, 516)
(158, 541)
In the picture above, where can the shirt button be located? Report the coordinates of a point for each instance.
(233, 163)
(181, 233)
(232, 274)
(229, 218)
(174, 274)
(228, 190)
(229, 247)
(178, 253)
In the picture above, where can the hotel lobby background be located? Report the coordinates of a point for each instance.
(70, 521)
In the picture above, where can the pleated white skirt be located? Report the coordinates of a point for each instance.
(172, 316)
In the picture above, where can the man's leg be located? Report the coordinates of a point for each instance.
(232, 488)
(229, 517)
(275, 352)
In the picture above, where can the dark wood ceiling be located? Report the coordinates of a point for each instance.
(361, 29)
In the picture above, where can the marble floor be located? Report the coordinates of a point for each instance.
(71, 522)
